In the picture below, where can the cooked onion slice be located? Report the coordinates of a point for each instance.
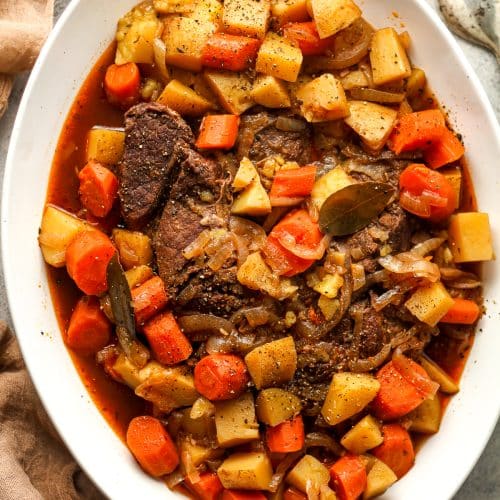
(367, 364)
(196, 324)
(412, 265)
(304, 252)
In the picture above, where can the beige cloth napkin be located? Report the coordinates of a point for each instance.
(24, 25)
(34, 463)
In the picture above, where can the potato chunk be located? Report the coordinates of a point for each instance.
(436, 373)
(135, 35)
(378, 479)
(134, 247)
(105, 145)
(330, 285)
(469, 235)
(184, 100)
(308, 469)
(430, 303)
(355, 79)
(278, 57)
(208, 10)
(246, 17)
(270, 92)
(372, 122)
(426, 418)
(57, 231)
(323, 99)
(235, 421)
(273, 363)
(327, 184)
(184, 39)
(364, 436)
(388, 57)
(245, 175)
(349, 393)
(173, 6)
(232, 90)
(138, 275)
(246, 471)
(332, 16)
(254, 200)
(276, 405)
(197, 453)
(288, 11)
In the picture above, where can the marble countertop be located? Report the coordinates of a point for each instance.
(484, 481)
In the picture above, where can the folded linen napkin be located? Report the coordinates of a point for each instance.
(34, 463)
(24, 25)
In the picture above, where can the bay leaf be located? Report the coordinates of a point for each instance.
(354, 207)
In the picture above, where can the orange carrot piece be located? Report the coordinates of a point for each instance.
(463, 311)
(220, 376)
(208, 486)
(98, 188)
(349, 477)
(168, 343)
(282, 261)
(448, 149)
(229, 52)
(306, 36)
(397, 396)
(287, 436)
(397, 449)
(292, 184)
(152, 446)
(122, 84)
(87, 258)
(148, 299)
(417, 130)
(218, 132)
(242, 495)
(89, 330)
(293, 494)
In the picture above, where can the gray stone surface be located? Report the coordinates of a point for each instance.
(484, 481)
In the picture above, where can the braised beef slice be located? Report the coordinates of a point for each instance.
(259, 139)
(152, 133)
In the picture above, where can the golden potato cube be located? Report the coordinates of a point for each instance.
(232, 90)
(270, 92)
(469, 236)
(174, 6)
(328, 307)
(276, 405)
(254, 200)
(134, 248)
(328, 184)
(278, 57)
(235, 421)
(348, 394)
(273, 363)
(308, 469)
(105, 145)
(332, 16)
(426, 418)
(197, 453)
(415, 86)
(138, 275)
(388, 57)
(378, 479)
(184, 100)
(355, 79)
(57, 231)
(127, 371)
(454, 177)
(436, 373)
(288, 11)
(330, 285)
(372, 122)
(323, 99)
(364, 436)
(245, 175)
(184, 39)
(430, 303)
(246, 17)
(246, 471)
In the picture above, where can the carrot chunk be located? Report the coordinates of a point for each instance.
(169, 344)
(89, 330)
(220, 376)
(218, 132)
(230, 52)
(207, 487)
(397, 449)
(287, 436)
(122, 84)
(306, 36)
(292, 184)
(98, 188)
(464, 312)
(87, 258)
(148, 299)
(242, 495)
(293, 494)
(349, 477)
(446, 150)
(282, 261)
(152, 446)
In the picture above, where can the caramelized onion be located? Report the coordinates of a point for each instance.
(367, 364)
(199, 324)
(235, 342)
(288, 124)
(282, 469)
(427, 246)
(160, 51)
(375, 95)
(250, 231)
(412, 265)
(456, 278)
(174, 479)
(323, 440)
